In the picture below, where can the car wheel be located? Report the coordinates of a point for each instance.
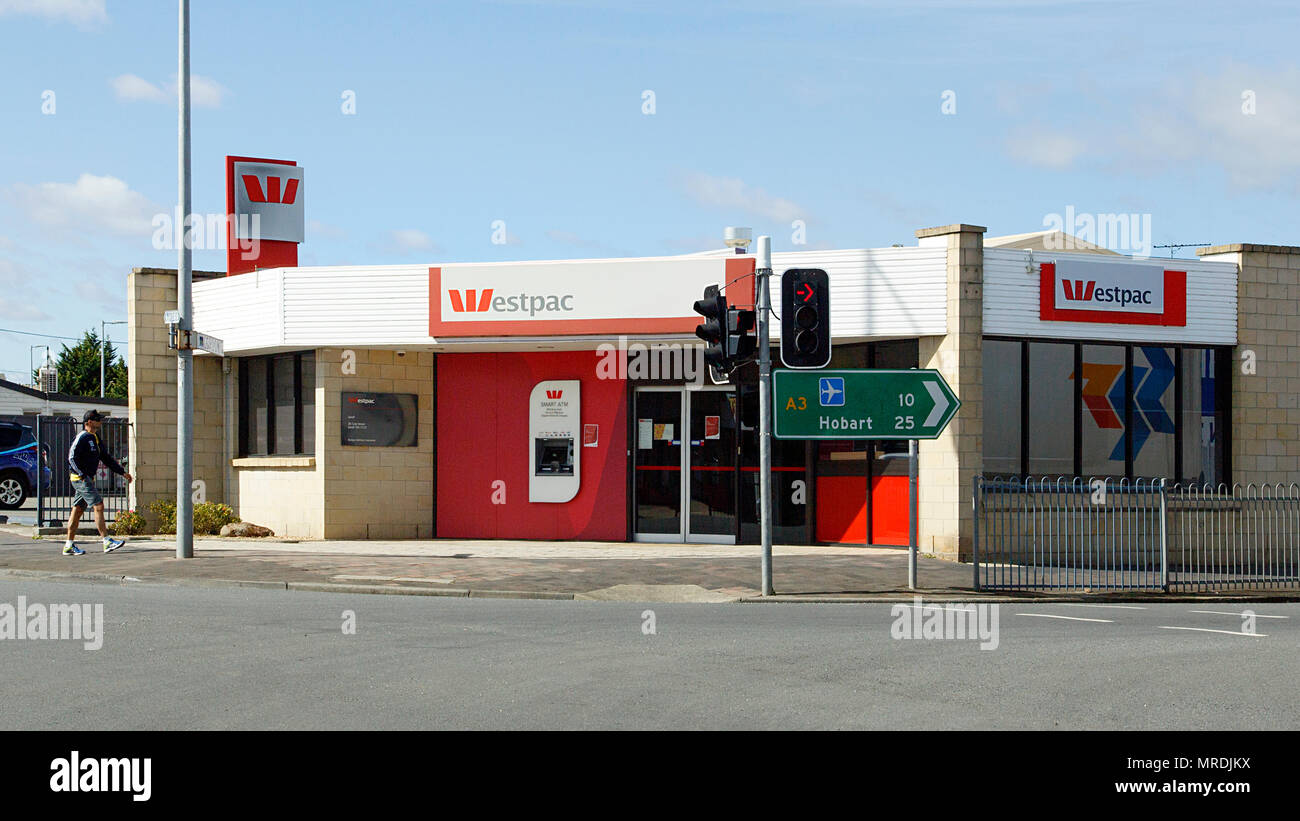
(13, 491)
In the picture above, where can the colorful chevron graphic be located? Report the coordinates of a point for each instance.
(1103, 395)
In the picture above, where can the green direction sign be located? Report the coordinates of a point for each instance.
(861, 404)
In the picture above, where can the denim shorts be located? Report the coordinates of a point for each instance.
(85, 494)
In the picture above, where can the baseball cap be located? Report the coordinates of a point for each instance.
(92, 415)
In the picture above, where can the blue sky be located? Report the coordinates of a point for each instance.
(532, 113)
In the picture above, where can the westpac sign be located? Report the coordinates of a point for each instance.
(1113, 292)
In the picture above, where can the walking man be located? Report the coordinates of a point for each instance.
(83, 461)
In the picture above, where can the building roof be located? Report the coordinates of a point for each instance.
(1046, 241)
(5, 384)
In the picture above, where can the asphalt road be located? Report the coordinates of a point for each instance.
(185, 658)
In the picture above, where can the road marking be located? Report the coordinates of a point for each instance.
(1068, 618)
(1231, 613)
(1114, 606)
(1225, 632)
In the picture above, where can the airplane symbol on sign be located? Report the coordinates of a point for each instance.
(806, 291)
(831, 389)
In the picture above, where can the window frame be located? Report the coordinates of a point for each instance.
(1222, 400)
(300, 447)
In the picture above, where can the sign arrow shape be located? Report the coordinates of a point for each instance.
(940, 404)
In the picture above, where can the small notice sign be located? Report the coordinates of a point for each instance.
(713, 427)
(590, 435)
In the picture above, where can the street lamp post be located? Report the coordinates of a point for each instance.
(35, 381)
(103, 343)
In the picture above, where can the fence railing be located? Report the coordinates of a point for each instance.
(1106, 534)
(55, 435)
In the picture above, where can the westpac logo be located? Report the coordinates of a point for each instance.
(1079, 291)
(272, 192)
(473, 300)
(1074, 289)
(554, 394)
(470, 298)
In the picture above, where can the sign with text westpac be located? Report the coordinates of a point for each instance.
(1114, 292)
(599, 296)
(378, 419)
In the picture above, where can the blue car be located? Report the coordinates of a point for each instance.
(18, 464)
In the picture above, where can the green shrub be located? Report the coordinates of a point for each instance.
(128, 523)
(164, 515)
(210, 517)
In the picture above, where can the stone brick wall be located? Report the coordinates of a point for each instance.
(1265, 410)
(151, 386)
(949, 464)
(376, 492)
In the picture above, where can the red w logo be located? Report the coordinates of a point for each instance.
(254, 188)
(459, 304)
(554, 394)
(1074, 291)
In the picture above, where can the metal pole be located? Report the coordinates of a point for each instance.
(763, 309)
(1164, 536)
(184, 357)
(911, 514)
(40, 474)
(101, 359)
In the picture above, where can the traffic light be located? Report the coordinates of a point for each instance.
(805, 318)
(741, 342)
(713, 330)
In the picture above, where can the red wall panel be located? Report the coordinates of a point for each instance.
(483, 436)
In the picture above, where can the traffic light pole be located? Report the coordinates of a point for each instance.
(763, 310)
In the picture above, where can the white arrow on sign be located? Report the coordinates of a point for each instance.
(940, 404)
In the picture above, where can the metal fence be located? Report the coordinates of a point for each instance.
(1104, 534)
(55, 435)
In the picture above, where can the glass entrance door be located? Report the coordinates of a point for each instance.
(685, 463)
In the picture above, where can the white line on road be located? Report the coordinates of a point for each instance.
(1231, 613)
(1068, 618)
(1208, 630)
(1113, 606)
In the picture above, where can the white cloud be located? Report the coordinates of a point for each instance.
(1190, 125)
(406, 240)
(204, 91)
(9, 309)
(1045, 148)
(570, 238)
(734, 194)
(81, 12)
(1203, 121)
(90, 204)
(324, 230)
(131, 87)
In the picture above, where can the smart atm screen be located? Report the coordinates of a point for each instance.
(554, 457)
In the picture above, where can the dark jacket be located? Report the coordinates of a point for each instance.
(85, 455)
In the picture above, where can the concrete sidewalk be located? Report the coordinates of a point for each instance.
(565, 570)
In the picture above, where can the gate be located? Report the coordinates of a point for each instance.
(1103, 534)
(55, 435)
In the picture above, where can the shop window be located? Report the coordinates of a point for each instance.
(1203, 418)
(1001, 407)
(277, 405)
(790, 491)
(1103, 388)
(1138, 411)
(1153, 410)
(1051, 409)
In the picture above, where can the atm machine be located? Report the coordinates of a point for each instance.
(554, 423)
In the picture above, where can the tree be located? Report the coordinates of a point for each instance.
(78, 369)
